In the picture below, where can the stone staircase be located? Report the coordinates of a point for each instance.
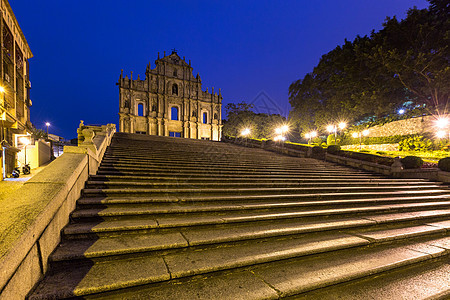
(171, 218)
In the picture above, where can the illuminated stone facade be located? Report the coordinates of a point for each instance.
(169, 102)
(15, 82)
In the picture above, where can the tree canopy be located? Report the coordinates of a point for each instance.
(406, 61)
(240, 116)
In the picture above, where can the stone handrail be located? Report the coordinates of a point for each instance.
(32, 218)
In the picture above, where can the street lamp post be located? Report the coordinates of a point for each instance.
(360, 135)
(442, 123)
(280, 131)
(26, 142)
(245, 132)
(47, 124)
(333, 129)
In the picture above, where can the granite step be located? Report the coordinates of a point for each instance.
(312, 178)
(119, 211)
(78, 249)
(104, 206)
(95, 184)
(254, 191)
(171, 198)
(379, 213)
(291, 266)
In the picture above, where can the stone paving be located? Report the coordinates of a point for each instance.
(170, 218)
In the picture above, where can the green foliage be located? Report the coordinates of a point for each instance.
(38, 133)
(348, 140)
(444, 164)
(372, 76)
(333, 149)
(330, 139)
(240, 116)
(415, 143)
(412, 162)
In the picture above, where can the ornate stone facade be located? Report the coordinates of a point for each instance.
(169, 102)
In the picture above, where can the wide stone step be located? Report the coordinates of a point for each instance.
(426, 280)
(78, 249)
(232, 166)
(201, 174)
(139, 184)
(237, 179)
(100, 207)
(172, 198)
(256, 191)
(309, 262)
(379, 213)
(275, 208)
(244, 202)
(220, 170)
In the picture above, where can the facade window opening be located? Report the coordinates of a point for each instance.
(140, 110)
(174, 89)
(175, 73)
(205, 118)
(174, 113)
(174, 134)
(215, 116)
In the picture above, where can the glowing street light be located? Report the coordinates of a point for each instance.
(443, 124)
(48, 125)
(279, 138)
(360, 135)
(333, 129)
(245, 132)
(25, 141)
(310, 135)
(280, 131)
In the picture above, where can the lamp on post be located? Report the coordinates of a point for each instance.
(310, 135)
(280, 131)
(360, 135)
(334, 128)
(25, 141)
(442, 124)
(245, 132)
(48, 125)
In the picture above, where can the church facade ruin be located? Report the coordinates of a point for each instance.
(169, 102)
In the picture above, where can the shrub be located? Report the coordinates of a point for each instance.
(415, 143)
(330, 139)
(444, 164)
(317, 152)
(412, 162)
(333, 149)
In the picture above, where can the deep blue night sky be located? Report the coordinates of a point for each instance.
(243, 47)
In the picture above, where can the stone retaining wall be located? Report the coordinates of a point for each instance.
(376, 147)
(419, 125)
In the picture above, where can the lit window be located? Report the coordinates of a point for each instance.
(174, 113)
(140, 109)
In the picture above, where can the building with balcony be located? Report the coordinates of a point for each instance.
(15, 86)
